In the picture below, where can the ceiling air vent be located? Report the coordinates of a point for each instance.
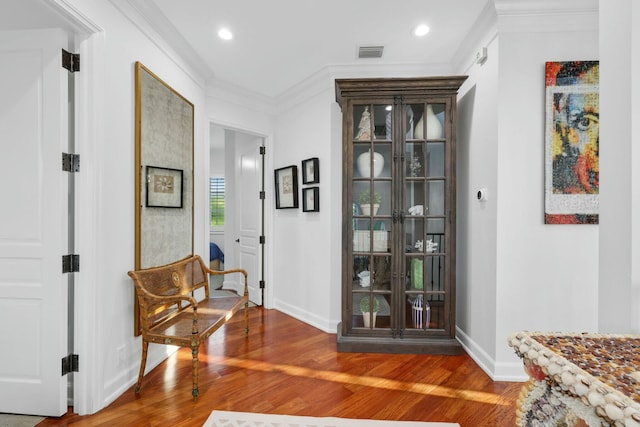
(370, 51)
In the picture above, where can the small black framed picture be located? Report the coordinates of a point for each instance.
(311, 199)
(164, 187)
(286, 180)
(311, 171)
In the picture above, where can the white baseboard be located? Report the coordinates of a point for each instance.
(497, 371)
(321, 323)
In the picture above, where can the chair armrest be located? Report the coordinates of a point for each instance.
(168, 298)
(236, 270)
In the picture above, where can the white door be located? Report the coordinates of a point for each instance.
(249, 214)
(33, 222)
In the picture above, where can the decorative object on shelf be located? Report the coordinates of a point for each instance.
(369, 205)
(311, 171)
(364, 127)
(164, 187)
(364, 164)
(286, 181)
(434, 127)
(369, 314)
(419, 307)
(311, 199)
(431, 245)
(416, 210)
(417, 279)
(364, 277)
(415, 166)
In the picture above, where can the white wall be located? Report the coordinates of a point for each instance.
(303, 276)
(477, 167)
(515, 272)
(111, 351)
(619, 293)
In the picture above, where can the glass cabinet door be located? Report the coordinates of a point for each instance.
(372, 198)
(424, 203)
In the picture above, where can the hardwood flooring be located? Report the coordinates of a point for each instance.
(285, 366)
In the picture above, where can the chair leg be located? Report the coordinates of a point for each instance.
(194, 371)
(143, 363)
(246, 317)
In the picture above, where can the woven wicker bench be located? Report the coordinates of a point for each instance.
(172, 314)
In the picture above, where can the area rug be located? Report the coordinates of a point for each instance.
(248, 419)
(10, 420)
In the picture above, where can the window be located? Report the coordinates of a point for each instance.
(216, 191)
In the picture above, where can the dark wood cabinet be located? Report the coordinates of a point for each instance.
(399, 216)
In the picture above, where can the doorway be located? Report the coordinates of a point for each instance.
(237, 158)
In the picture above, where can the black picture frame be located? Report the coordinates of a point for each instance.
(164, 187)
(311, 199)
(286, 183)
(311, 171)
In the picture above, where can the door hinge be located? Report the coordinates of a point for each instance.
(263, 150)
(261, 284)
(70, 162)
(70, 364)
(263, 240)
(70, 263)
(263, 195)
(70, 61)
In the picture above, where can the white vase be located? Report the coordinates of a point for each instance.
(366, 318)
(364, 164)
(434, 127)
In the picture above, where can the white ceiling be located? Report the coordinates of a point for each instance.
(280, 43)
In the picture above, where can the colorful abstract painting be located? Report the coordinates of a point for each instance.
(572, 171)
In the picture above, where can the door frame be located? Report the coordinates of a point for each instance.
(267, 294)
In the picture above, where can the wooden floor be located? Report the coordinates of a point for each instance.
(285, 366)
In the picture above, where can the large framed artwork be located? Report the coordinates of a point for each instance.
(163, 173)
(572, 137)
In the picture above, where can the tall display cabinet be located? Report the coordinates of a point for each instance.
(399, 215)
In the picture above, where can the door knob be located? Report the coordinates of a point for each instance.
(237, 240)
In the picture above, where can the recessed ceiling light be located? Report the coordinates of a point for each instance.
(420, 30)
(225, 34)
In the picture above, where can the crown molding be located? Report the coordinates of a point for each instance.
(146, 16)
(240, 96)
(546, 15)
(482, 32)
(77, 20)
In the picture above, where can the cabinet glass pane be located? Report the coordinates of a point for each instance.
(428, 121)
(414, 155)
(368, 202)
(414, 234)
(436, 197)
(371, 319)
(382, 122)
(362, 124)
(376, 240)
(436, 236)
(424, 311)
(414, 198)
(381, 273)
(372, 164)
(435, 159)
(413, 123)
